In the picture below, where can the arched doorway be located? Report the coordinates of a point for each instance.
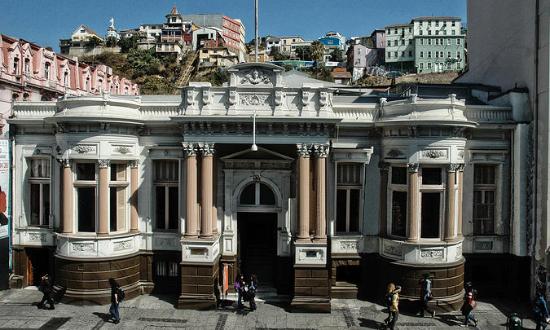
(257, 233)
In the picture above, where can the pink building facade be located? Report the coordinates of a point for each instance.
(29, 72)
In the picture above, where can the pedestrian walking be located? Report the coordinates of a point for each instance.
(116, 298)
(239, 288)
(252, 287)
(392, 300)
(47, 290)
(468, 309)
(425, 295)
(540, 310)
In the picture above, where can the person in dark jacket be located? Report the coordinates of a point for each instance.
(113, 310)
(252, 287)
(468, 309)
(540, 310)
(425, 295)
(47, 290)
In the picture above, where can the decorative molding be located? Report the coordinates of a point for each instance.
(255, 77)
(84, 149)
(280, 97)
(207, 149)
(65, 162)
(122, 149)
(436, 254)
(103, 163)
(232, 99)
(83, 247)
(413, 167)
(461, 154)
(190, 95)
(433, 154)
(483, 245)
(123, 245)
(134, 163)
(393, 249)
(254, 99)
(321, 150)
(394, 153)
(37, 237)
(190, 149)
(304, 150)
(349, 245)
(458, 254)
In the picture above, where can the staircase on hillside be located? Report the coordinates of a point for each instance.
(188, 68)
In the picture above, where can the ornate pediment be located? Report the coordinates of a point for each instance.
(256, 75)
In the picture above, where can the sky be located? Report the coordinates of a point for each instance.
(46, 21)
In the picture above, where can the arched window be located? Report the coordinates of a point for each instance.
(16, 65)
(66, 78)
(27, 66)
(256, 194)
(47, 70)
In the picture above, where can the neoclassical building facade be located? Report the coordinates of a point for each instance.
(321, 192)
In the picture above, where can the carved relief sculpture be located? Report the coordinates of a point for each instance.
(255, 77)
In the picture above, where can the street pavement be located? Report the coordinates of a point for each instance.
(18, 310)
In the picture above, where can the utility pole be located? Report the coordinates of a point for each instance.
(256, 30)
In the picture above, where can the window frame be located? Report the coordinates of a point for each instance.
(120, 184)
(433, 188)
(396, 187)
(485, 188)
(85, 184)
(167, 185)
(348, 187)
(40, 181)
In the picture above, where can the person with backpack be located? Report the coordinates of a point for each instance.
(240, 289)
(117, 295)
(252, 287)
(425, 295)
(47, 290)
(392, 302)
(540, 310)
(468, 308)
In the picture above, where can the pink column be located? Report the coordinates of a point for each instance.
(412, 218)
(303, 191)
(134, 175)
(103, 192)
(68, 220)
(321, 151)
(206, 189)
(191, 228)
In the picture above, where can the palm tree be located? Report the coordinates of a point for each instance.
(317, 51)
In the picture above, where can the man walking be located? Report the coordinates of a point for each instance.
(115, 300)
(425, 295)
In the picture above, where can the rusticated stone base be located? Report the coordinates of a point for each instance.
(87, 281)
(447, 283)
(199, 286)
(311, 290)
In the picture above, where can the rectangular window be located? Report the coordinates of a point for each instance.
(430, 214)
(348, 197)
(421, 66)
(421, 41)
(85, 185)
(39, 180)
(399, 213)
(484, 199)
(421, 54)
(429, 65)
(458, 42)
(429, 54)
(453, 32)
(117, 197)
(166, 177)
(410, 53)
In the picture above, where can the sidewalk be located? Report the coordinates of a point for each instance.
(154, 312)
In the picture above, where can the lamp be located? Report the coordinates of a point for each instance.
(254, 147)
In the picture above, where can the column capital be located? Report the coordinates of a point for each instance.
(455, 167)
(65, 162)
(134, 163)
(304, 150)
(413, 167)
(321, 150)
(207, 149)
(190, 149)
(103, 163)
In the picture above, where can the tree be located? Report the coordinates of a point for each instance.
(93, 42)
(277, 55)
(303, 53)
(336, 55)
(317, 51)
(128, 43)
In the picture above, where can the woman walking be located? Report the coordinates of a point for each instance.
(468, 308)
(252, 287)
(239, 288)
(392, 297)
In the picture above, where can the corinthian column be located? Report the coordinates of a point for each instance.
(103, 188)
(413, 203)
(190, 190)
(134, 174)
(321, 151)
(450, 221)
(303, 191)
(68, 220)
(206, 189)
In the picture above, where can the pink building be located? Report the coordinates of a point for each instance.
(29, 72)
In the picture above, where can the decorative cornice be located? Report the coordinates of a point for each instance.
(304, 150)
(103, 163)
(207, 149)
(413, 167)
(190, 149)
(321, 150)
(83, 149)
(434, 154)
